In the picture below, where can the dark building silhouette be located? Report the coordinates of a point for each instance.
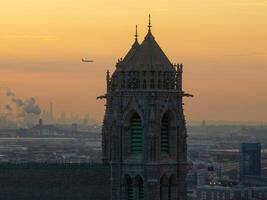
(250, 159)
(144, 131)
(32, 181)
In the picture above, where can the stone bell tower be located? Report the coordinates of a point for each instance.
(144, 131)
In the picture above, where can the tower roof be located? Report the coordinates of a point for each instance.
(147, 56)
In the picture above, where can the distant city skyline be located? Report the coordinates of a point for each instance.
(222, 45)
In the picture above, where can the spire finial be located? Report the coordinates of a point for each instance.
(149, 23)
(136, 33)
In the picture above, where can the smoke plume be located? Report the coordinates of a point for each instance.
(18, 102)
(8, 107)
(22, 112)
(30, 106)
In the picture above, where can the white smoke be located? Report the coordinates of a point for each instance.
(27, 111)
(28, 106)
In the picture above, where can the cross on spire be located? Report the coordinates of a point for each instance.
(149, 23)
(136, 33)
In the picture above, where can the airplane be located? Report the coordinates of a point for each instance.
(84, 60)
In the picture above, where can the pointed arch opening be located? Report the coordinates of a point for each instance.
(136, 134)
(129, 187)
(164, 134)
(140, 188)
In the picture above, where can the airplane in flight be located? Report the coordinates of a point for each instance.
(85, 60)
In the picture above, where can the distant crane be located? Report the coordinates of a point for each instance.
(85, 60)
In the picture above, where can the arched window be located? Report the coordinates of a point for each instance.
(139, 188)
(129, 188)
(136, 134)
(164, 134)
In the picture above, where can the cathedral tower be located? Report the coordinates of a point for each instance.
(144, 132)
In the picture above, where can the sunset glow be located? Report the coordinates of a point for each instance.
(222, 44)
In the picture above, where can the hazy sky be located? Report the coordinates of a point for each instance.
(222, 43)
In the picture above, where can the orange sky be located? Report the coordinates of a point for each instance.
(222, 43)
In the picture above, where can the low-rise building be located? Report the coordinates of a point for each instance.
(216, 192)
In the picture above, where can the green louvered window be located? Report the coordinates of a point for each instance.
(141, 192)
(130, 191)
(164, 135)
(136, 134)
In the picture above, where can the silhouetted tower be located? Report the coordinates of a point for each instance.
(250, 160)
(144, 132)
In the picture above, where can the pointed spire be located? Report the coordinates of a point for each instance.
(149, 35)
(136, 44)
(136, 33)
(149, 23)
(134, 48)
